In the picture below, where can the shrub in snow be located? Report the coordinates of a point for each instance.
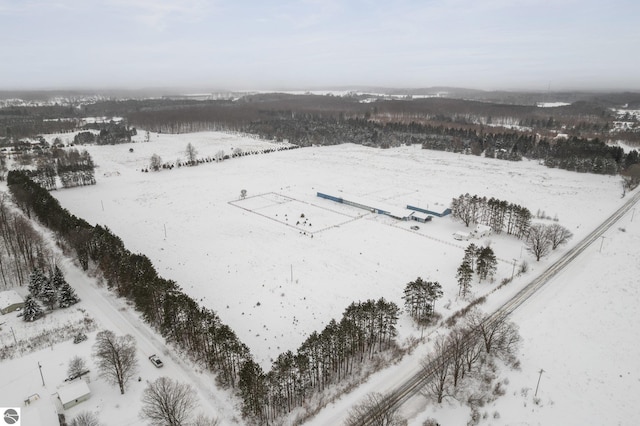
(475, 417)
(86, 418)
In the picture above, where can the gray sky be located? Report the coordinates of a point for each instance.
(279, 44)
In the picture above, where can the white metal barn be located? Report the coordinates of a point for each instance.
(73, 394)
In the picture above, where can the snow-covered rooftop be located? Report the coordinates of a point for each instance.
(73, 391)
(8, 298)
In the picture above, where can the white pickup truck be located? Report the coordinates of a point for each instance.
(156, 361)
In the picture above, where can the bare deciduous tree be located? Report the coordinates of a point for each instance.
(499, 336)
(465, 209)
(376, 411)
(85, 418)
(456, 342)
(191, 154)
(116, 358)
(472, 351)
(168, 402)
(202, 420)
(437, 365)
(558, 235)
(538, 242)
(77, 365)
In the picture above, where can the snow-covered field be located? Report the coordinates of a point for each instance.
(275, 276)
(581, 329)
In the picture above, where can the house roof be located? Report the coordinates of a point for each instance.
(8, 298)
(73, 391)
(419, 215)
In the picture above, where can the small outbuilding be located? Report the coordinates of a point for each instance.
(73, 394)
(10, 301)
(462, 236)
(481, 231)
(420, 217)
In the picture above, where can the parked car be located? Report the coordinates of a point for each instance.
(76, 375)
(156, 361)
(415, 227)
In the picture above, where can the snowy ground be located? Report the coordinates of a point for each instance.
(232, 253)
(239, 256)
(581, 329)
(21, 378)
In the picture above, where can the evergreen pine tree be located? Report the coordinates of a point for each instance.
(32, 310)
(48, 294)
(36, 282)
(464, 275)
(67, 296)
(471, 255)
(58, 279)
(486, 263)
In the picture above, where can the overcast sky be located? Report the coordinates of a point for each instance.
(305, 44)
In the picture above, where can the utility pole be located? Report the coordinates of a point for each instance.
(514, 268)
(539, 377)
(165, 230)
(14, 336)
(41, 376)
(601, 242)
(633, 212)
(292, 273)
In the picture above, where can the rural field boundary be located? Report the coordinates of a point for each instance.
(266, 205)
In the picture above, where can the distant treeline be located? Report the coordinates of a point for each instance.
(502, 131)
(366, 330)
(21, 122)
(110, 133)
(440, 124)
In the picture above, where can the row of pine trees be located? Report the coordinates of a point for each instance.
(365, 330)
(500, 215)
